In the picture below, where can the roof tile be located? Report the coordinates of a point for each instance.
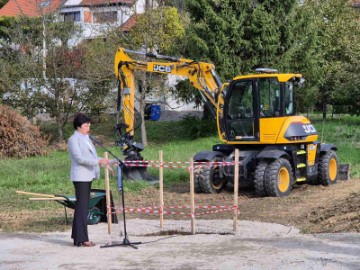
(30, 8)
(129, 23)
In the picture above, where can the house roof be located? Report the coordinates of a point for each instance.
(30, 8)
(129, 23)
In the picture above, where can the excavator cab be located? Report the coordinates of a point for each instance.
(250, 102)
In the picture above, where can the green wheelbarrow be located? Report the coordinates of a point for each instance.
(97, 204)
(94, 214)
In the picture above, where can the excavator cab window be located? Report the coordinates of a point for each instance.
(269, 97)
(240, 111)
(289, 98)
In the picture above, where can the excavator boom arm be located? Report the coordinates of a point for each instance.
(201, 75)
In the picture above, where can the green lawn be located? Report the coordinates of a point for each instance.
(50, 174)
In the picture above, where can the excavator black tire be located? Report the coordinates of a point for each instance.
(197, 188)
(209, 179)
(259, 179)
(328, 168)
(279, 178)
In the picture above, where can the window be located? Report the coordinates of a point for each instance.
(45, 3)
(72, 16)
(103, 17)
(240, 113)
(269, 91)
(241, 101)
(289, 98)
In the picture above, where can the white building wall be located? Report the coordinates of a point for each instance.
(96, 30)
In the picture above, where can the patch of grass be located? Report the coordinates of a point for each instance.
(344, 133)
(50, 174)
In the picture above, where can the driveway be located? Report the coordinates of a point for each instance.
(255, 246)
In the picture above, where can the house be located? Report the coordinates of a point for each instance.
(95, 17)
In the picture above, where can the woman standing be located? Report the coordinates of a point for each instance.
(84, 168)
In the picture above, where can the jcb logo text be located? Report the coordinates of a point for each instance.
(160, 68)
(309, 129)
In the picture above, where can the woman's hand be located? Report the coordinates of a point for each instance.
(103, 162)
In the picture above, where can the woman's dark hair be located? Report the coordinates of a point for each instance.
(80, 119)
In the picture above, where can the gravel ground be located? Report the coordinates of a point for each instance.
(256, 245)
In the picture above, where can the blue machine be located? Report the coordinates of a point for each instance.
(155, 112)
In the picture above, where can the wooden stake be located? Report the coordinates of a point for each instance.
(192, 197)
(161, 182)
(236, 189)
(107, 190)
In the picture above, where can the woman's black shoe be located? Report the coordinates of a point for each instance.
(85, 244)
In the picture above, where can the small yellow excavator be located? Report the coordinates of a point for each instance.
(254, 113)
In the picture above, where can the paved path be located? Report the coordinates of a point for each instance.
(256, 246)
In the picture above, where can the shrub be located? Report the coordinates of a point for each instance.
(18, 138)
(50, 130)
(194, 127)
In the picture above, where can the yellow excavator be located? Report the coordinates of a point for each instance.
(254, 113)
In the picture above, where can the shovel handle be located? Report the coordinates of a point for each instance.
(48, 199)
(35, 194)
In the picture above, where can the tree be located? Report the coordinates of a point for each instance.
(3, 2)
(302, 55)
(60, 86)
(338, 29)
(157, 29)
(19, 68)
(5, 23)
(238, 36)
(98, 73)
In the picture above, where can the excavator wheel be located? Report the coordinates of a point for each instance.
(259, 179)
(328, 168)
(197, 187)
(209, 178)
(278, 178)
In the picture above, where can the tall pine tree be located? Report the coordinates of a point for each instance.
(238, 36)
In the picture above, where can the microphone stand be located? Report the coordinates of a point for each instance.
(125, 241)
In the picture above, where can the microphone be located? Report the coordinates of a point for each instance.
(121, 163)
(93, 139)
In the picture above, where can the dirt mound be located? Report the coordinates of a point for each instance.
(342, 217)
(18, 137)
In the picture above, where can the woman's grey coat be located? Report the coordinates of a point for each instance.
(84, 160)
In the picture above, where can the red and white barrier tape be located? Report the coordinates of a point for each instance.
(178, 162)
(151, 210)
(170, 164)
(183, 207)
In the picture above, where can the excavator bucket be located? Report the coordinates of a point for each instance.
(139, 173)
(344, 172)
